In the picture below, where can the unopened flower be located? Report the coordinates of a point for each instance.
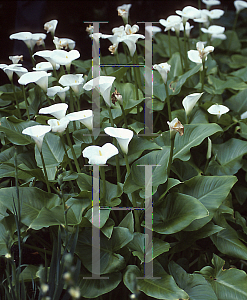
(113, 48)
(37, 132)
(16, 58)
(57, 90)
(84, 116)
(63, 43)
(58, 125)
(99, 155)
(123, 11)
(116, 97)
(39, 77)
(44, 288)
(218, 110)
(50, 26)
(103, 84)
(75, 292)
(75, 81)
(89, 29)
(190, 101)
(176, 126)
(122, 135)
(56, 110)
(240, 5)
(209, 151)
(163, 69)
(7, 255)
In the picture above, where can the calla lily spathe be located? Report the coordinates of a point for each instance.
(46, 54)
(210, 3)
(163, 69)
(240, 5)
(103, 84)
(14, 68)
(122, 135)
(37, 133)
(45, 66)
(99, 155)
(218, 109)
(75, 81)
(30, 39)
(214, 13)
(190, 101)
(175, 126)
(39, 77)
(58, 125)
(51, 26)
(84, 116)
(215, 31)
(57, 110)
(189, 12)
(201, 53)
(63, 57)
(172, 21)
(63, 43)
(16, 58)
(123, 11)
(57, 90)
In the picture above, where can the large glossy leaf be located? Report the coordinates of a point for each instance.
(7, 230)
(92, 288)
(32, 199)
(228, 157)
(109, 260)
(238, 102)
(193, 136)
(137, 246)
(195, 285)
(211, 191)
(162, 288)
(176, 212)
(136, 179)
(227, 283)
(13, 131)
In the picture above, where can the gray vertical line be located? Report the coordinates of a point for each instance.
(95, 75)
(148, 82)
(148, 253)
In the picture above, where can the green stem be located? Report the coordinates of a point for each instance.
(71, 102)
(203, 74)
(65, 216)
(179, 48)
(31, 55)
(66, 154)
(73, 152)
(25, 98)
(127, 163)
(92, 137)
(235, 22)
(102, 196)
(46, 176)
(168, 103)
(115, 144)
(124, 115)
(169, 43)
(16, 100)
(185, 50)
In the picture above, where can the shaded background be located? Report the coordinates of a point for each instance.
(16, 16)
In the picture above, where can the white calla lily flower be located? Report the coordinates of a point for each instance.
(240, 5)
(75, 81)
(63, 57)
(204, 18)
(172, 21)
(57, 90)
(163, 69)
(63, 43)
(45, 66)
(46, 54)
(190, 101)
(39, 77)
(218, 109)
(201, 53)
(123, 11)
(189, 12)
(16, 58)
(188, 28)
(152, 30)
(84, 116)
(14, 68)
(243, 115)
(57, 110)
(37, 133)
(104, 87)
(215, 31)
(30, 39)
(210, 3)
(51, 26)
(99, 155)
(215, 13)
(175, 126)
(122, 135)
(58, 125)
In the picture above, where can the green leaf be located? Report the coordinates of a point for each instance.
(193, 136)
(176, 212)
(195, 285)
(242, 74)
(238, 102)
(220, 85)
(227, 283)
(162, 288)
(137, 246)
(211, 191)
(228, 157)
(136, 179)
